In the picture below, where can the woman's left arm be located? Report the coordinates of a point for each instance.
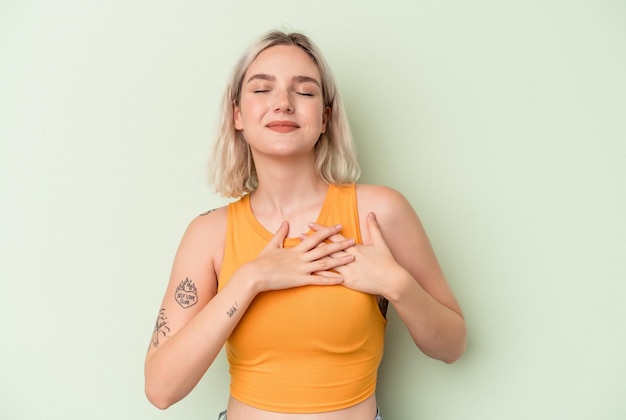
(397, 262)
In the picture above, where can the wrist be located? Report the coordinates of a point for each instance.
(400, 283)
(247, 279)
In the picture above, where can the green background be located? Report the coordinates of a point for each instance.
(503, 122)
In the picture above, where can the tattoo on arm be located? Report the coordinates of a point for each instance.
(382, 305)
(161, 330)
(233, 309)
(186, 294)
(207, 212)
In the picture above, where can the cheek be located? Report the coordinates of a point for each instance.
(251, 108)
(244, 112)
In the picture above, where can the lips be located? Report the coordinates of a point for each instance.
(283, 126)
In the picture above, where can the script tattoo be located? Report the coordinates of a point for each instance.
(233, 309)
(186, 294)
(161, 330)
(207, 212)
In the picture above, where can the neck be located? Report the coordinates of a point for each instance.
(287, 190)
(283, 191)
(287, 180)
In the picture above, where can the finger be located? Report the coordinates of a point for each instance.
(331, 275)
(374, 229)
(337, 237)
(278, 239)
(318, 236)
(340, 254)
(329, 263)
(325, 278)
(333, 238)
(330, 249)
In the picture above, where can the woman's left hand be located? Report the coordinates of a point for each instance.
(373, 261)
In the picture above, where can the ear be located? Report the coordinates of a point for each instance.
(325, 118)
(237, 118)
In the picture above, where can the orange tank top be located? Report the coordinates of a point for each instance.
(309, 349)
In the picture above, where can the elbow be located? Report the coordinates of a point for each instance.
(456, 349)
(158, 399)
(163, 388)
(448, 348)
(158, 392)
(448, 354)
(454, 356)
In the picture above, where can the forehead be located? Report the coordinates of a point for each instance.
(284, 60)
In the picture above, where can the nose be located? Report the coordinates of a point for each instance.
(283, 102)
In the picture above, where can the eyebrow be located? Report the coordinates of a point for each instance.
(296, 79)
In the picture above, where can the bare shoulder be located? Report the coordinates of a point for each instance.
(394, 213)
(384, 201)
(212, 221)
(204, 238)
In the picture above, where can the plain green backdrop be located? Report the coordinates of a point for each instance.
(503, 122)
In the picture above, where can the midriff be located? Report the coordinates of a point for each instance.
(365, 410)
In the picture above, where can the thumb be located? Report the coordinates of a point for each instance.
(374, 230)
(278, 239)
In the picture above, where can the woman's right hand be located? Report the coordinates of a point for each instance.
(308, 263)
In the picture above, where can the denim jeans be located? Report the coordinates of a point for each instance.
(379, 416)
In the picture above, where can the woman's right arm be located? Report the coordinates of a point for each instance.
(195, 321)
(192, 324)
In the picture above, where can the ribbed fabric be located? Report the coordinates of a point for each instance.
(304, 350)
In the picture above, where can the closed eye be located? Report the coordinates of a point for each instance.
(304, 94)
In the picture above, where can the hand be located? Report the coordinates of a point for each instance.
(373, 261)
(307, 263)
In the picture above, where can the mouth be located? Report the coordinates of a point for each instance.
(283, 126)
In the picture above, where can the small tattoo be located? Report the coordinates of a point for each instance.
(233, 309)
(207, 212)
(161, 330)
(186, 294)
(382, 305)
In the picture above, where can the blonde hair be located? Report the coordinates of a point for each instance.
(232, 171)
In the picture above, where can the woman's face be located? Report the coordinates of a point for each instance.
(281, 110)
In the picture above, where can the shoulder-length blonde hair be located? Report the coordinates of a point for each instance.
(232, 171)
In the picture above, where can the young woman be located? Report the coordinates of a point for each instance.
(295, 276)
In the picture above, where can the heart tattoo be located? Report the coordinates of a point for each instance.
(186, 294)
